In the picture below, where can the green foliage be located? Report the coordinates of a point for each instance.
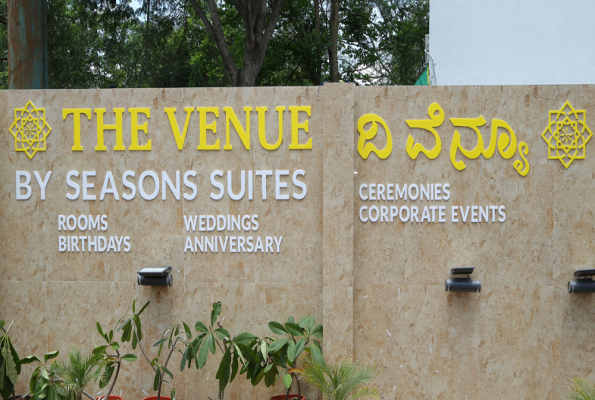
(282, 354)
(582, 389)
(345, 380)
(209, 339)
(75, 373)
(10, 364)
(98, 43)
(44, 384)
(131, 328)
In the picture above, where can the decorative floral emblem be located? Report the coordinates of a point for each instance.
(30, 129)
(567, 134)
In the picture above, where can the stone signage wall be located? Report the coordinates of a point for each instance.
(354, 215)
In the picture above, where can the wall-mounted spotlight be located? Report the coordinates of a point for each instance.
(584, 285)
(460, 284)
(155, 276)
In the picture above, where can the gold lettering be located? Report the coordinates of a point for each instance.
(204, 127)
(364, 149)
(429, 125)
(171, 114)
(262, 131)
(296, 126)
(101, 127)
(243, 134)
(77, 124)
(472, 123)
(135, 127)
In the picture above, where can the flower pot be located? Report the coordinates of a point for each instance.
(155, 398)
(291, 396)
(111, 397)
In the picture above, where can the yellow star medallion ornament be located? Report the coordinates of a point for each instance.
(30, 129)
(567, 134)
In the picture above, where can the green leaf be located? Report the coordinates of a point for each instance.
(200, 327)
(277, 345)
(167, 371)
(277, 328)
(156, 379)
(317, 355)
(264, 350)
(244, 338)
(2, 324)
(106, 377)
(215, 312)
(143, 308)
(133, 305)
(28, 360)
(287, 380)
(129, 357)
(96, 351)
(11, 367)
(115, 346)
(124, 325)
(138, 326)
(294, 328)
(196, 345)
(317, 345)
(51, 354)
(187, 329)
(111, 335)
(222, 333)
(211, 343)
(291, 351)
(159, 342)
(299, 347)
(317, 331)
(234, 367)
(15, 357)
(270, 376)
(184, 359)
(101, 331)
(224, 365)
(202, 355)
(134, 341)
(290, 319)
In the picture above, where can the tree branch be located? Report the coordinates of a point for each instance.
(268, 32)
(216, 32)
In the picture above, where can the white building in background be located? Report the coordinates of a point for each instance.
(512, 42)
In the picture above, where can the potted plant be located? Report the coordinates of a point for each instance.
(111, 363)
(282, 354)
(10, 365)
(69, 378)
(209, 339)
(344, 380)
(44, 383)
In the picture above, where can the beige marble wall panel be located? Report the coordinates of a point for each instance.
(23, 254)
(410, 252)
(521, 334)
(377, 287)
(338, 185)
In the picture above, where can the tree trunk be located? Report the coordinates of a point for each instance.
(334, 31)
(258, 34)
(318, 52)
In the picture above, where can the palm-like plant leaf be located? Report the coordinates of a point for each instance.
(76, 373)
(345, 380)
(582, 390)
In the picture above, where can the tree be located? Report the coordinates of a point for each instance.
(258, 32)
